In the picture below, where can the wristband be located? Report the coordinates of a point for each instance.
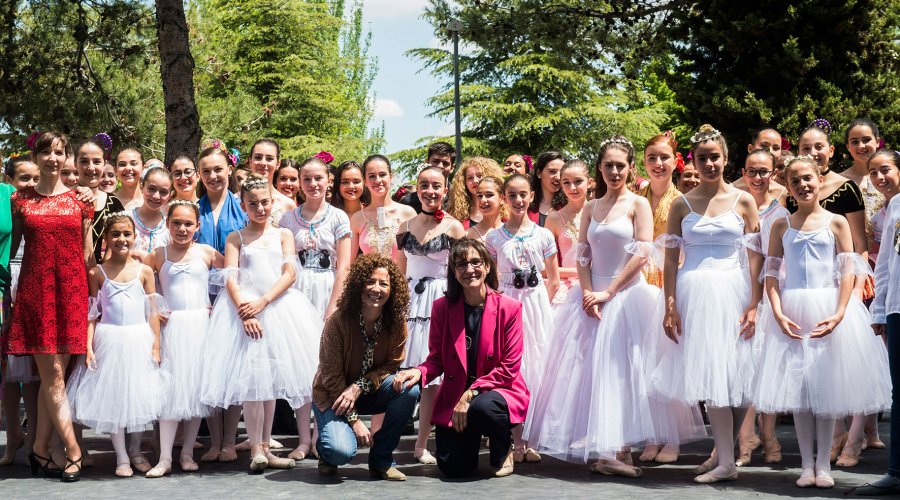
(352, 417)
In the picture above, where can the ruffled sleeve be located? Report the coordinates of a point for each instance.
(749, 241)
(218, 278)
(548, 243)
(155, 303)
(293, 260)
(647, 250)
(667, 240)
(851, 263)
(583, 254)
(341, 224)
(93, 308)
(773, 266)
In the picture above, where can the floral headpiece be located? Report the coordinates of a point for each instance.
(235, 156)
(123, 213)
(254, 183)
(421, 167)
(609, 141)
(679, 163)
(671, 135)
(797, 158)
(31, 140)
(880, 143)
(185, 203)
(106, 142)
(399, 194)
(706, 135)
(213, 143)
(820, 123)
(785, 144)
(325, 156)
(528, 162)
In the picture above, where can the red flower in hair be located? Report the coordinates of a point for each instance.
(31, 140)
(785, 144)
(528, 163)
(399, 194)
(679, 163)
(439, 215)
(880, 143)
(325, 156)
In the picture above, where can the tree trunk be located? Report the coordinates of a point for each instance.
(183, 131)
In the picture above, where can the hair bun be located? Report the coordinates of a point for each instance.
(706, 127)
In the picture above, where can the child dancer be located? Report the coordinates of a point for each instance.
(462, 203)
(349, 192)
(119, 387)
(425, 242)
(129, 165)
(598, 405)
(521, 250)
(710, 304)
(156, 188)
(826, 361)
(183, 270)
(884, 173)
(371, 232)
(494, 212)
(565, 223)
(256, 350)
(321, 240)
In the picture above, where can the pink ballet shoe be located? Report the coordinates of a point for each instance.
(625, 457)
(746, 448)
(275, 461)
(424, 457)
(140, 463)
(615, 469)
(519, 455)
(124, 470)
(188, 464)
(708, 465)
(873, 441)
(259, 462)
(650, 453)
(531, 456)
(227, 455)
(771, 451)
(709, 477)
(807, 481)
(162, 468)
(837, 448)
(824, 479)
(211, 456)
(301, 452)
(850, 459)
(242, 446)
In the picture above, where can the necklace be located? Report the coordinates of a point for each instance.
(369, 356)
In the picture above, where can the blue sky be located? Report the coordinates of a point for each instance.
(401, 92)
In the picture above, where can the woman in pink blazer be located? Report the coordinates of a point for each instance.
(475, 342)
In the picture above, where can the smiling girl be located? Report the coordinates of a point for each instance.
(661, 161)
(884, 174)
(565, 223)
(545, 186)
(156, 187)
(220, 208)
(90, 162)
(129, 165)
(494, 211)
(186, 178)
(373, 232)
(350, 191)
(287, 180)
(461, 202)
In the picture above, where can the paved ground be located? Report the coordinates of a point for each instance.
(549, 479)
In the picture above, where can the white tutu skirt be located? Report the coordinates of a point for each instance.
(537, 321)
(418, 323)
(183, 340)
(317, 286)
(19, 370)
(595, 396)
(565, 287)
(127, 390)
(710, 362)
(843, 373)
(279, 365)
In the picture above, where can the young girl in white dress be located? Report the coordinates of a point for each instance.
(820, 358)
(884, 173)
(565, 223)
(119, 387)
(183, 268)
(321, 238)
(423, 245)
(156, 189)
(710, 302)
(256, 350)
(494, 212)
(522, 250)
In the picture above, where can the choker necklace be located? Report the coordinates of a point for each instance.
(429, 213)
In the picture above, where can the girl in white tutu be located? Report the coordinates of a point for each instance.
(594, 400)
(709, 302)
(183, 270)
(119, 386)
(494, 212)
(575, 180)
(424, 244)
(321, 238)
(521, 251)
(820, 358)
(257, 350)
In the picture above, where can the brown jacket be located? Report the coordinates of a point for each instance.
(341, 352)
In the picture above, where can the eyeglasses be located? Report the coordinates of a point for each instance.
(462, 265)
(763, 174)
(188, 172)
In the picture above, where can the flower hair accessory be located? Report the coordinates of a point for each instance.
(705, 135)
(399, 194)
(123, 213)
(254, 183)
(421, 167)
(880, 143)
(822, 124)
(797, 158)
(235, 156)
(325, 156)
(213, 143)
(185, 203)
(104, 140)
(528, 162)
(785, 144)
(31, 140)
(671, 135)
(607, 142)
(679, 163)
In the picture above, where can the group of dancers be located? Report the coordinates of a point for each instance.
(209, 286)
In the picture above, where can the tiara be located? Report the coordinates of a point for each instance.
(123, 213)
(185, 203)
(706, 135)
(607, 142)
(148, 170)
(421, 167)
(250, 184)
(796, 158)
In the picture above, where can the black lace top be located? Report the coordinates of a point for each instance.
(846, 200)
(407, 241)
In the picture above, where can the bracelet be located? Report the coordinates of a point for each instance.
(352, 417)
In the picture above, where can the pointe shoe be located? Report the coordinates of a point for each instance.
(301, 452)
(242, 446)
(507, 468)
(162, 468)
(531, 456)
(836, 449)
(519, 455)
(12, 446)
(424, 457)
(650, 453)
(625, 458)
(276, 462)
(872, 440)
(124, 470)
(667, 455)
(850, 459)
(140, 463)
(824, 479)
(708, 465)
(386, 473)
(807, 481)
(709, 477)
(771, 452)
(227, 455)
(188, 464)
(608, 469)
(327, 469)
(211, 456)
(259, 461)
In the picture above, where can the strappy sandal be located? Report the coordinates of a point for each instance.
(124, 470)
(72, 477)
(34, 457)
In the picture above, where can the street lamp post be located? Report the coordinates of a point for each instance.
(455, 27)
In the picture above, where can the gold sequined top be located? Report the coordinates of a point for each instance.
(653, 274)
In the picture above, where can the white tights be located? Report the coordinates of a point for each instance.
(123, 452)
(857, 429)
(726, 424)
(167, 431)
(258, 415)
(804, 422)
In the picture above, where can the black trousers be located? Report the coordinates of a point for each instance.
(457, 453)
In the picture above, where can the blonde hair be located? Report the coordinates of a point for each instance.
(459, 202)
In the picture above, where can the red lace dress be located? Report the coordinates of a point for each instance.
(52, 304)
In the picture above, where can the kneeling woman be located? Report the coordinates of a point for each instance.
(476, 342)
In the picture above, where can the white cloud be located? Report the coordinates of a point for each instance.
(392, 9)
(388, 108)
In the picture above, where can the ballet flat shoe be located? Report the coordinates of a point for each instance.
(824, 481)
(424, 457)
(837, 449)
(259, 462)
(302, 451)
(507, 468)
(650, 453)
(275, 445)
(519, 455)
(771, 452)
(710, 478)
(188, 464)
(161, 469)
(227, 456)
(140, 463)
(242, 446)
(873, 441)
(531, 456)
(807, 481)
(124, 470)
(386, 473)
(276, 462)
(849, 459)
(607, 469)
(708, 465)
(665, 457)
(211, 456)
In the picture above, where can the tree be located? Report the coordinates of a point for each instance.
(744, 65)
(177, 67)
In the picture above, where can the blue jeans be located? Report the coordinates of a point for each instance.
(337, 442)
(893, 344)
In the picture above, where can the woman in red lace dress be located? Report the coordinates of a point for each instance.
(50, 317)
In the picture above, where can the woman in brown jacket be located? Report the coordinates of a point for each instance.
(362, 348)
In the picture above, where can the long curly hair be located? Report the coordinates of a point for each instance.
(395, 309)
(459, 203)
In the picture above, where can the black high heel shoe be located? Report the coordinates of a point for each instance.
(71, 477)
(33, 459)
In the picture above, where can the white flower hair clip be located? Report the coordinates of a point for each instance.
(625, 142)
(706, 135)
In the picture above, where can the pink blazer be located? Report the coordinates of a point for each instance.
(499, 355)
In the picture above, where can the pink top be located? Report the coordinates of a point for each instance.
(379, 239)
(499, 356)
